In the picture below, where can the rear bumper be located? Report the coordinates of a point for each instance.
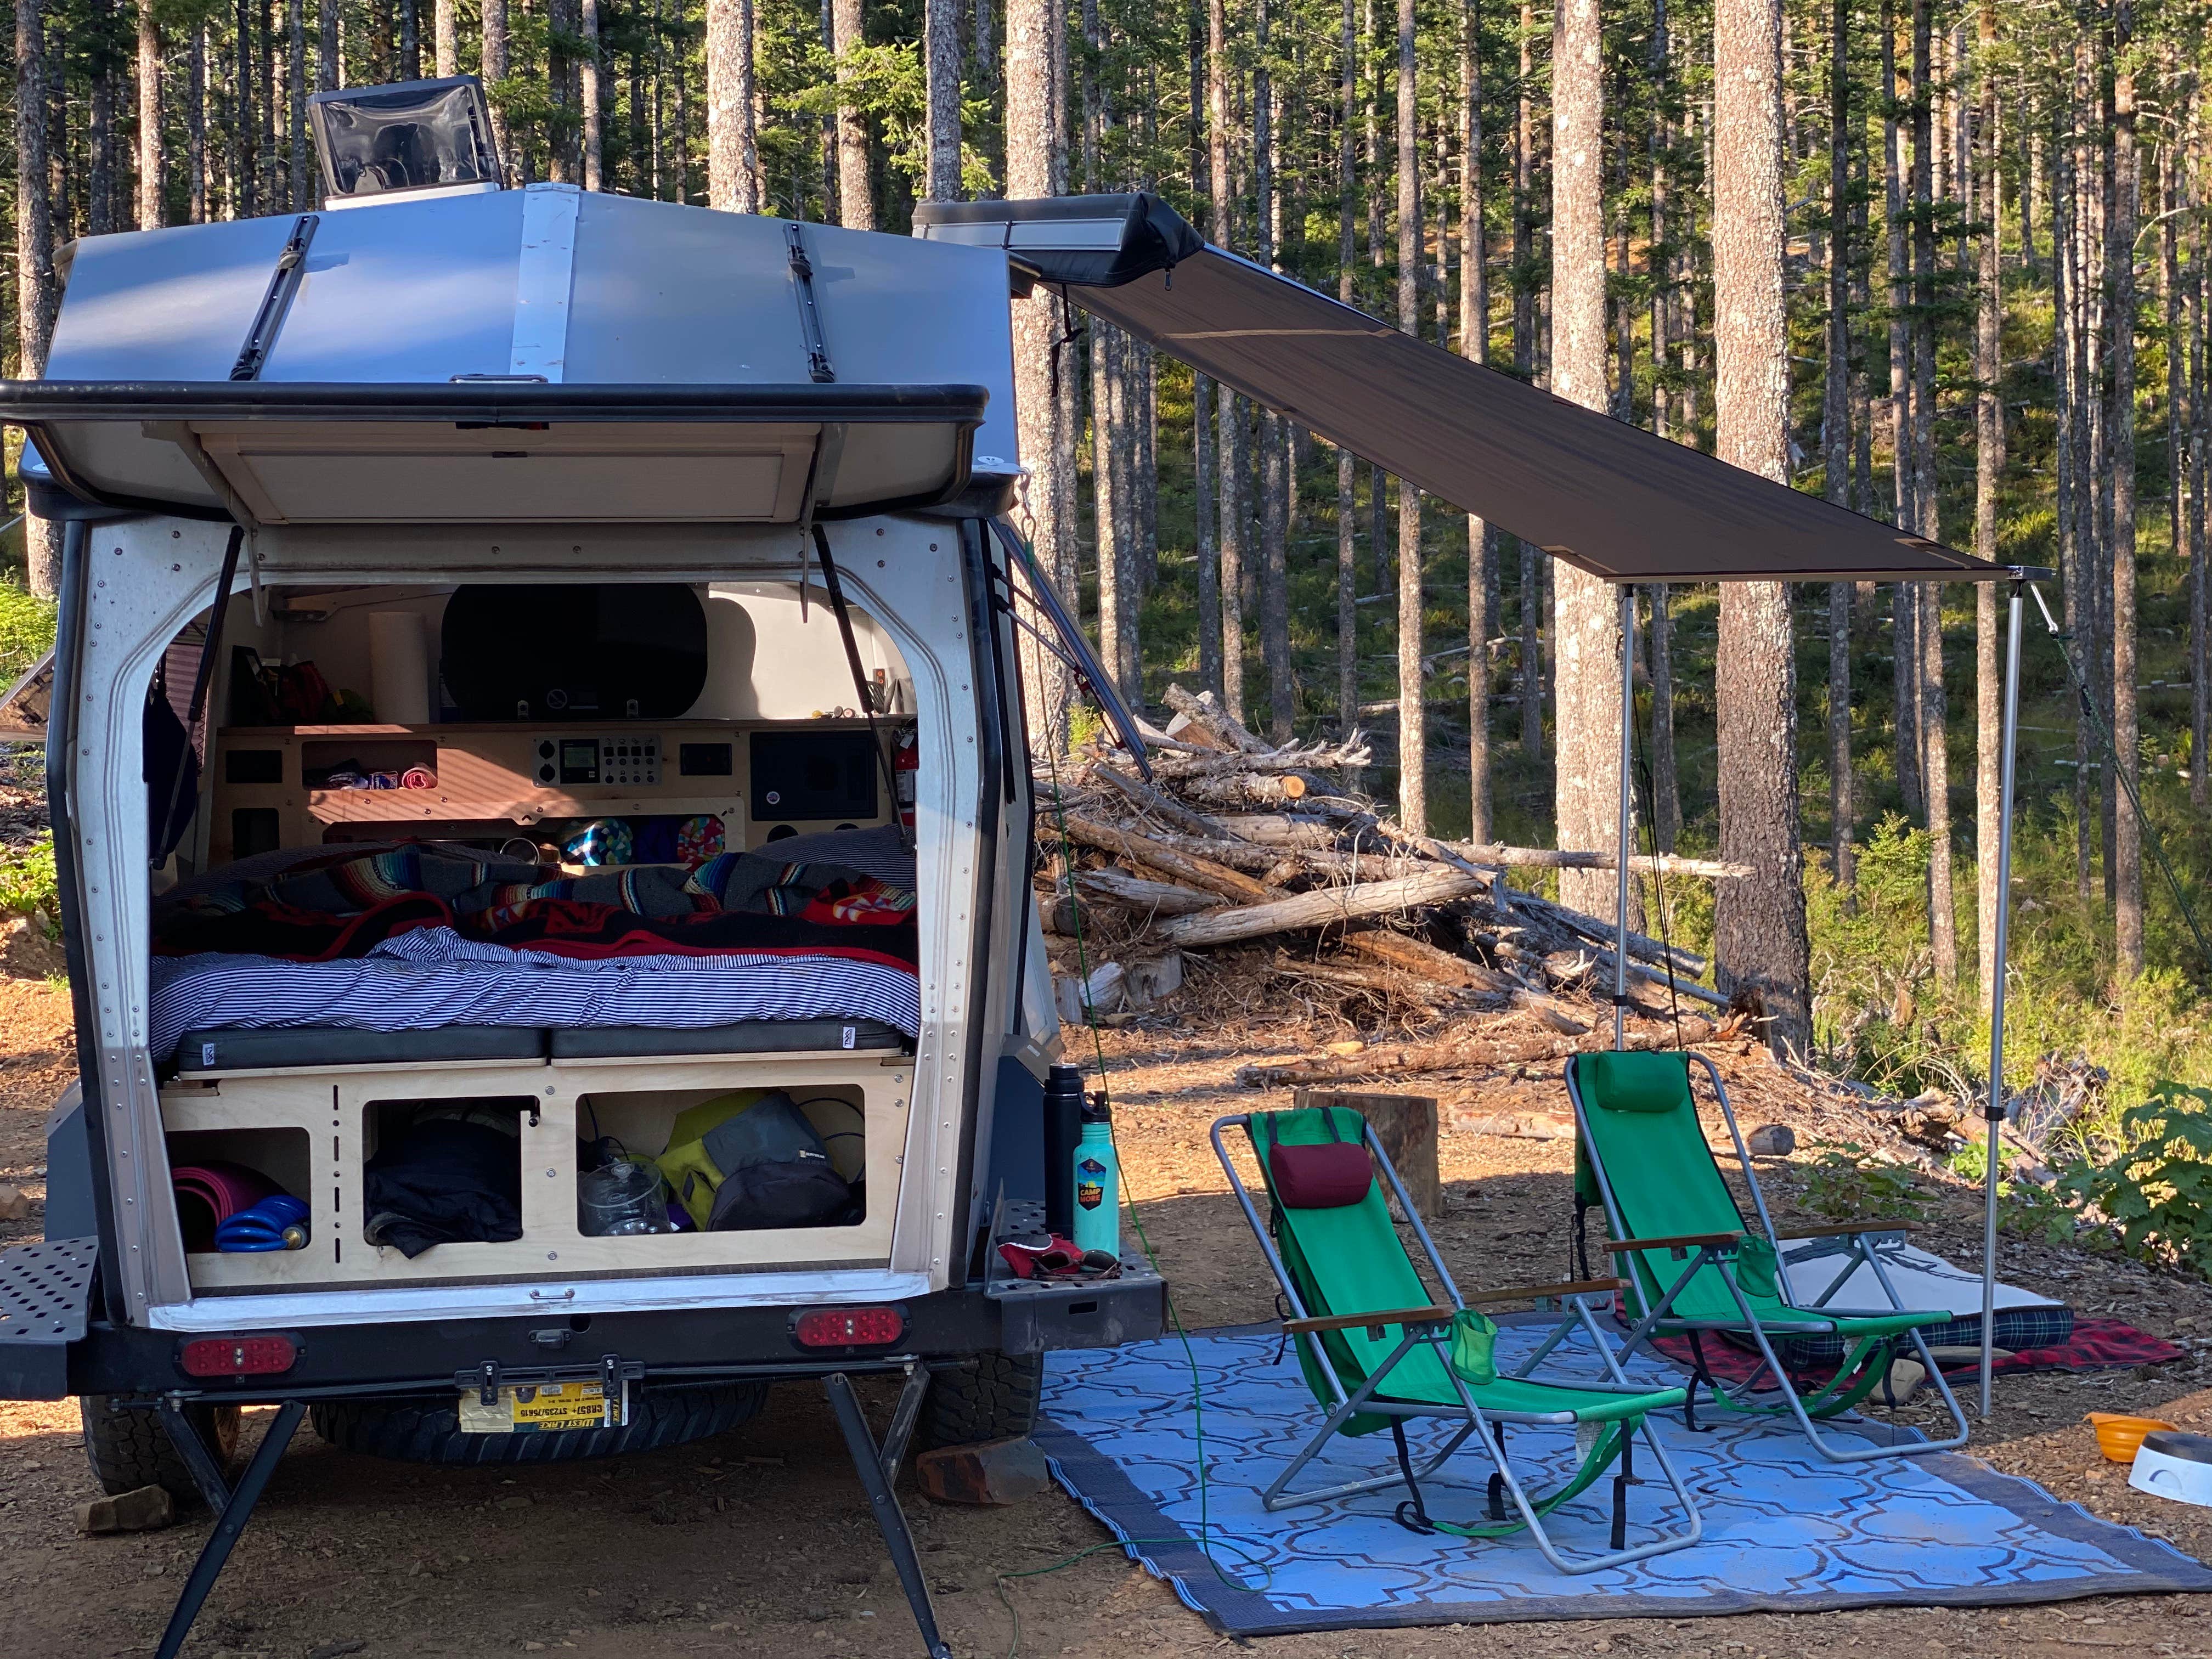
(692, 1344)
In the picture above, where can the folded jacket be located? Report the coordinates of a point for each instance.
(441, 1182)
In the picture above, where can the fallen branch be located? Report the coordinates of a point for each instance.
(1240, 788)
(1191, 872)
(1461, 1056)
(1543, 858)
(1318, 909)
(1279, 829)
(1164, 806)
(1602, 933)
(1159, 897)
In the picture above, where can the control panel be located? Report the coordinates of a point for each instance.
(634, 759)
(301, 786)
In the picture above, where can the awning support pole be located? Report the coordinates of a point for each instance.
(1994, 1111)
(1625, 840)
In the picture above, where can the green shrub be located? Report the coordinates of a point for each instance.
(28, 881)
(27, 631)
(2154, 1186)
(1845, 1182)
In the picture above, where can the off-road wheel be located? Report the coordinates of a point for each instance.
(129, 1447)
(986, 1396)
(428, 1430)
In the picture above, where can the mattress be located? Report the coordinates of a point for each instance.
(432, 977)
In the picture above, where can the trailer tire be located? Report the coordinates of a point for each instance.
(984, 1396)
(129, 1449)
(428, 1430)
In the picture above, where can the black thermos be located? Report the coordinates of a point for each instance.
(1063, 1128)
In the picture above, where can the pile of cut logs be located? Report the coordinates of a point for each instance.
(1237, 841)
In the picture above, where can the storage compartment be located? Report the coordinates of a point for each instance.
(722, 1161)
(443, 1175)
(217, 1172)
(335, 1135)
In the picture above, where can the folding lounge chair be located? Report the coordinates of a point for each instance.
(1376, 1348)
(1696, 1266)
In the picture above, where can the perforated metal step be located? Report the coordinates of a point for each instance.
(45, 1289)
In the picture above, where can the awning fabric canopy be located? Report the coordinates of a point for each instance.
(1619, 502)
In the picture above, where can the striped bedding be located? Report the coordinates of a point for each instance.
(431, 977)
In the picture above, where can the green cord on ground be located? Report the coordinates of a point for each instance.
(1206, 1541)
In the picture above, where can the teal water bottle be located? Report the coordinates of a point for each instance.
(1098, 1182)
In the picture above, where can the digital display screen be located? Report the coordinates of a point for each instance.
(579, 760)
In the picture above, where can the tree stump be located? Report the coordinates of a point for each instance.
(1406, 1127)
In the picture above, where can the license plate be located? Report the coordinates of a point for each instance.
(544, 1408)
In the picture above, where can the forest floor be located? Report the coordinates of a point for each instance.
(758, 1542)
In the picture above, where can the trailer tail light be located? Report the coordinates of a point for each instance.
(237, 1356)
(849, 1328)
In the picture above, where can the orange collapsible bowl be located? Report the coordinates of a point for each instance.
(2119, 1436)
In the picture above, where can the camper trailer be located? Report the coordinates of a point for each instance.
(540, 781)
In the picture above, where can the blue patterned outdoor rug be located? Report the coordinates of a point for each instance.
(1783, 1530)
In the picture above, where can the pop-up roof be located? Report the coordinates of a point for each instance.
(1619, 502)
(511, 356)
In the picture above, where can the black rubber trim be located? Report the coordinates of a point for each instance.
(983, 643)
(236, 1049)
(491, 403)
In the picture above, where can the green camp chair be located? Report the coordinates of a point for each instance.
(1377, 1347)
(1697, 1266)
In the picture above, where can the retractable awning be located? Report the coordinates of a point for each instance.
(301, 453)
(1618, 501)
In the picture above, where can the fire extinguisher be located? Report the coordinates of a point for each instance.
(906, 764)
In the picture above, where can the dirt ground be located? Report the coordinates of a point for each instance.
(758, 1542)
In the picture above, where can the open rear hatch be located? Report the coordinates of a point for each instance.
(500, 452)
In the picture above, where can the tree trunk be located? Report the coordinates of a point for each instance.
(2200, 422)
(493, 59)
(1760, 942)
(1666, 781)
(304, 193)
(1230, 519)
(941, 119)
(590, 93)
(35, 257)
(1927, 597)
(446, 39)
(1034, 141)
(1412, 717)
(1836, 433)
(1989, 475)
(327, 68)
(1347, 474)
(1905, 655)
(856, 192)
(150, 157)
(1474, 346)
(1205, 491)
(732, 148)
(196, 157)
(2125, 857)
(1276, 478)
(1586, 631)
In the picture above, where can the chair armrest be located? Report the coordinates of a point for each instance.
(1681, 1241)
(1432, 1315)
(1849, 1229)
(1522, 1292)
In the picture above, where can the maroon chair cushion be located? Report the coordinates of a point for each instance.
(1325, 1178)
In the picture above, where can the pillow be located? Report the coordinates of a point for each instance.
(1626, 1081)
(1324, 1177)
